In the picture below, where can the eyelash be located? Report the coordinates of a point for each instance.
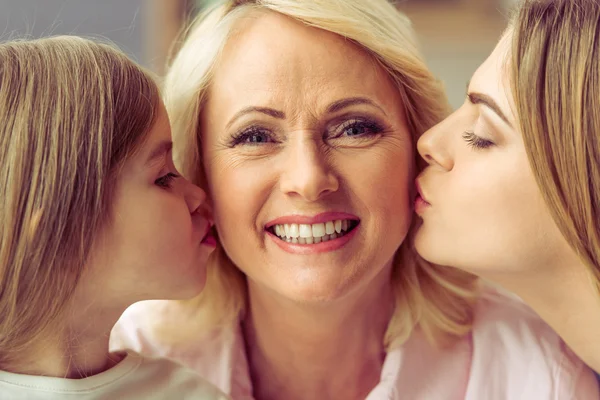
(372, 126)
(244, 136)
(475, 141)
(166, 181)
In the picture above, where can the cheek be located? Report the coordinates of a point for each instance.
(238, 190)
(489, 209)
(383, 182)
(157, 229)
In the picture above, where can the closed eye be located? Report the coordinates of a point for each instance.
(475, 141)
(166, 181)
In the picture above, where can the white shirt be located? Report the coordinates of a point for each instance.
(135, 377)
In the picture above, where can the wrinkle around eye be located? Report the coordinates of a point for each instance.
(236, 156)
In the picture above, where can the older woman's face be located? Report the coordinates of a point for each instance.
(309, 160)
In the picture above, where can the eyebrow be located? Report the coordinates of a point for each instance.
(334, 107)
(159, 151)
(484, 99)
(263, 110)
(352, 101)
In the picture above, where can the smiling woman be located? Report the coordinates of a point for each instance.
(305, 141)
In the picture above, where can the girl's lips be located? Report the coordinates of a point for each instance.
(209, 239)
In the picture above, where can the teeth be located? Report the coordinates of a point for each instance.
(329, 227)
(318, 230)
(305, 230)
(309, 234)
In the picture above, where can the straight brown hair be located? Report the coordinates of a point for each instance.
(71, 112)
(555, 75)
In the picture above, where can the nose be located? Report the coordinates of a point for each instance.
(435, 148)
(307, 173)
(194, 196)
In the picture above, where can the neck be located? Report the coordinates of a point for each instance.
(568, 301)
(292, 348)
(78, 350)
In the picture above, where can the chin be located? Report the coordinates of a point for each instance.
(311, 288)
(427, 248)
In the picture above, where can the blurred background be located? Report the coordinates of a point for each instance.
(455, 35)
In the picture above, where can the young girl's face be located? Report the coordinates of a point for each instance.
(483, 210)
(157, 243)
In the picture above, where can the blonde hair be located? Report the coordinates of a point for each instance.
(438, 299)
(71, 112)
(555, 69)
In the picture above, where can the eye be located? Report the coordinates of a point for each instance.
(166, 181)
(358, 128)
(253, 136)
(475, 141)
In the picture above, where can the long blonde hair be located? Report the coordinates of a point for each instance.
(437, 299)
(555, 75)
(71, 112)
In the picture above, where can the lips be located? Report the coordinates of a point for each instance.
(420, 192)
(209, 239)
(312, 230)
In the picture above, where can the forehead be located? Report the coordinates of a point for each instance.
(270, 56)
(493, 77)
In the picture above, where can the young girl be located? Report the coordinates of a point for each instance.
(94, 218)
(512, 191)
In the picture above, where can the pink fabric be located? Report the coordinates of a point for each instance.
(510, 355)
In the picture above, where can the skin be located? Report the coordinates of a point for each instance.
(486, 213)
(151, 249)
(310, 312)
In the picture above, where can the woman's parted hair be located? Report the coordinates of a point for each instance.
(71, 112)
(555, 79)
(438, 299)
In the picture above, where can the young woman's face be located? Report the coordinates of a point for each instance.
(309, 160)
(157, 243)
(481, 207)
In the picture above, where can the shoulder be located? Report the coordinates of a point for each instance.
(503, 316)
(136, 329)
(161, 328)
(166, 329)
(514, 349)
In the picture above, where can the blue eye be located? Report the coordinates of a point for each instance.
(475, 141)
(253, 136)
(358, 128)
(166, 181)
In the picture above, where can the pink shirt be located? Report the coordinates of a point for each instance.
(510, 355)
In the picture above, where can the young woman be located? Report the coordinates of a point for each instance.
(512, 191)
(94, 218)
